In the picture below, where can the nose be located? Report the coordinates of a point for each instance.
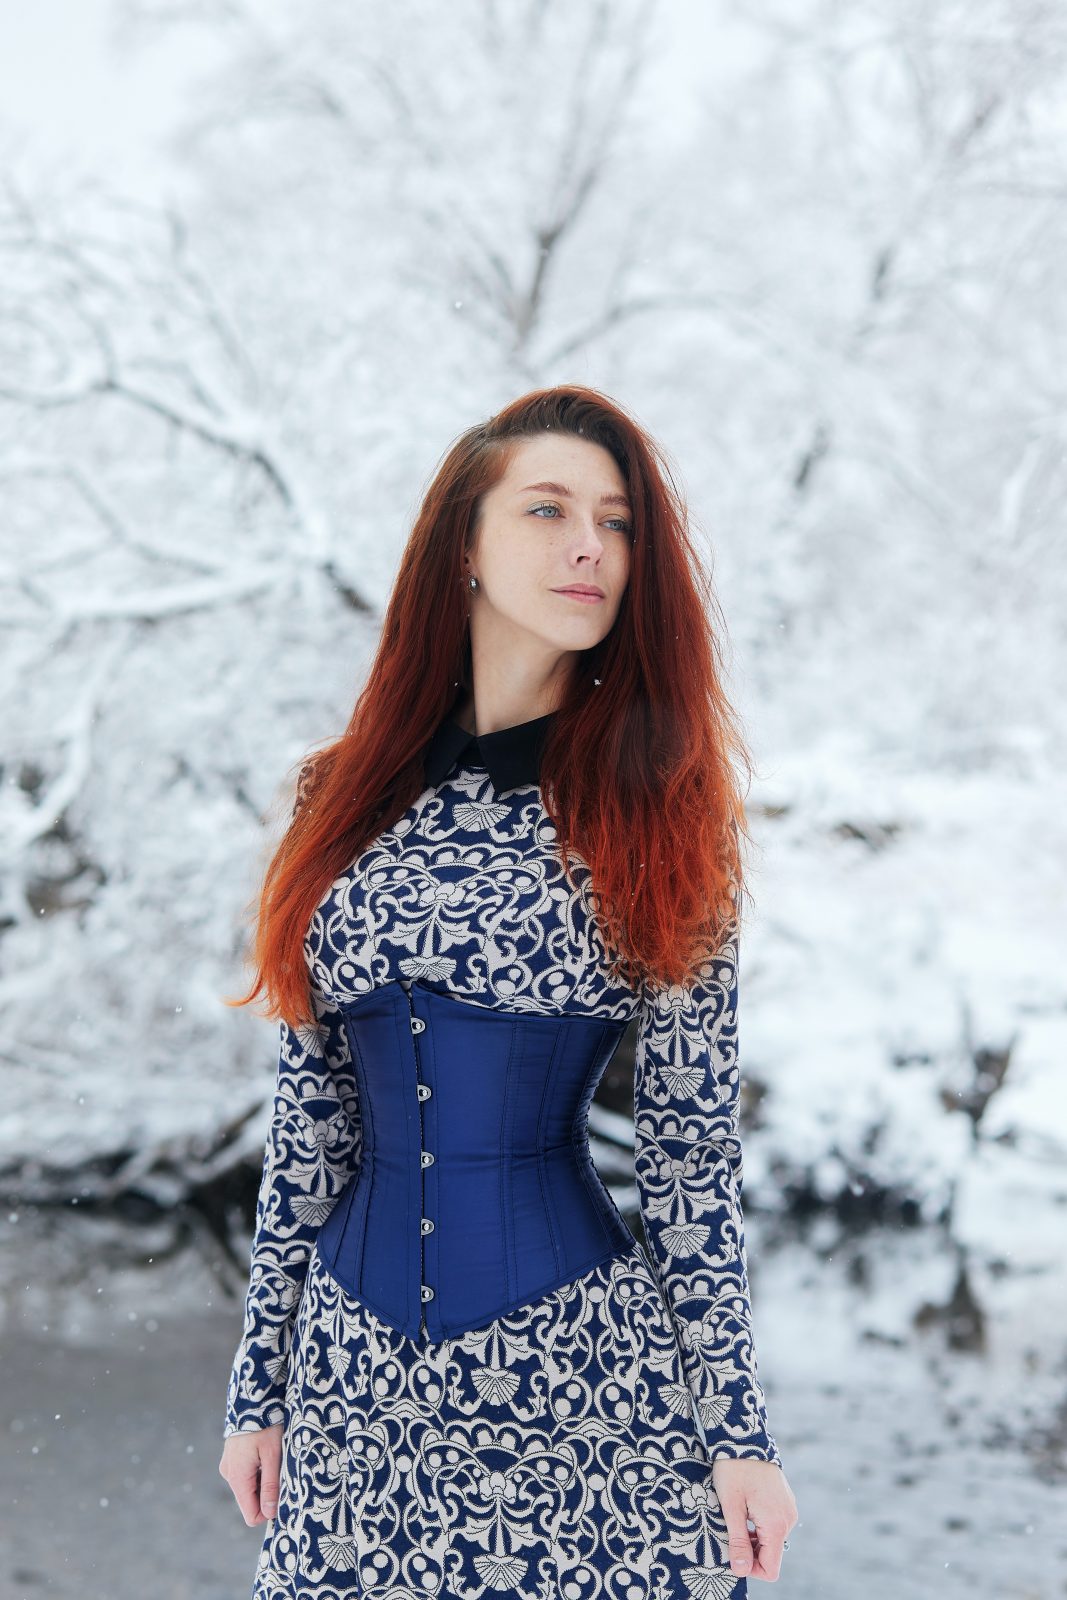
(588, 541)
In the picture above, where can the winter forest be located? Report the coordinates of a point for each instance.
(819, 250)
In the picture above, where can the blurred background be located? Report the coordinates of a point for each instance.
(259, 265)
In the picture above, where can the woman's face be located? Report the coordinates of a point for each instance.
(559, 517)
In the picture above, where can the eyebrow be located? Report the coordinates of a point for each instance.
(565, 494)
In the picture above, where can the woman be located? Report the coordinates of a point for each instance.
(460, 1373)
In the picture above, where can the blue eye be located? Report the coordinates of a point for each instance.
(547, 505)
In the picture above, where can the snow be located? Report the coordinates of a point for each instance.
(251, 297)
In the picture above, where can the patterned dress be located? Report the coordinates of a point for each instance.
(562, 1451)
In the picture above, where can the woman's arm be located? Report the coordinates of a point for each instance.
(689, 1170)
(312, 1149)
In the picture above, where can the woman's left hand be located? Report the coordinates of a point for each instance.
(758, 1490)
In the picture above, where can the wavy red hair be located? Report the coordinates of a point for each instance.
(638, 771)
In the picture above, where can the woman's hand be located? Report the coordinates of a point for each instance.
(251, 1464)
(760, 1490)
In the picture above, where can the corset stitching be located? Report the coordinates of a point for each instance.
(507, 1216)
(547, 1200)
(360, 1178)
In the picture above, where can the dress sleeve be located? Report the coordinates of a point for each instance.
(689, 1169)
(313, 1148)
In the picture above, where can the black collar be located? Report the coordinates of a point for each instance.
(512, 756)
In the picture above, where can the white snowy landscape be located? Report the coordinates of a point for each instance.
(260, 265)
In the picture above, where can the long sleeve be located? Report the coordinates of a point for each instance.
(689, 1170)
(313, 1147)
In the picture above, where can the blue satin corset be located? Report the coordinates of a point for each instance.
(476, 1191)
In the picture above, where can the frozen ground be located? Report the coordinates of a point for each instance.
(920, 1470)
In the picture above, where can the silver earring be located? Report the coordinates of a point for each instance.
(472, 583)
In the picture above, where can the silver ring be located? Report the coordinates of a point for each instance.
(785, 1544)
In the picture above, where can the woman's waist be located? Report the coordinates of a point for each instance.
(467, 1236)
(455, 1151)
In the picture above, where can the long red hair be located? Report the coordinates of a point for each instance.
(637, 773)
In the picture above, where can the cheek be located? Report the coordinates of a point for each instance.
(620, 569)
(516, 578)
(515, 589)
(517, 570)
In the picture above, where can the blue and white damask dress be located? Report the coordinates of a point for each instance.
(488, 1385)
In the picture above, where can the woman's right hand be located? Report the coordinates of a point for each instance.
(251, 1464)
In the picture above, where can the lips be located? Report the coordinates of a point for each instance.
(583, 591)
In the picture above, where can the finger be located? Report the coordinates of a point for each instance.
(767, 1565)
(244, 1481)
(769, 1549)
(739, 1549)
(270, 1458)
(734, 1504)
